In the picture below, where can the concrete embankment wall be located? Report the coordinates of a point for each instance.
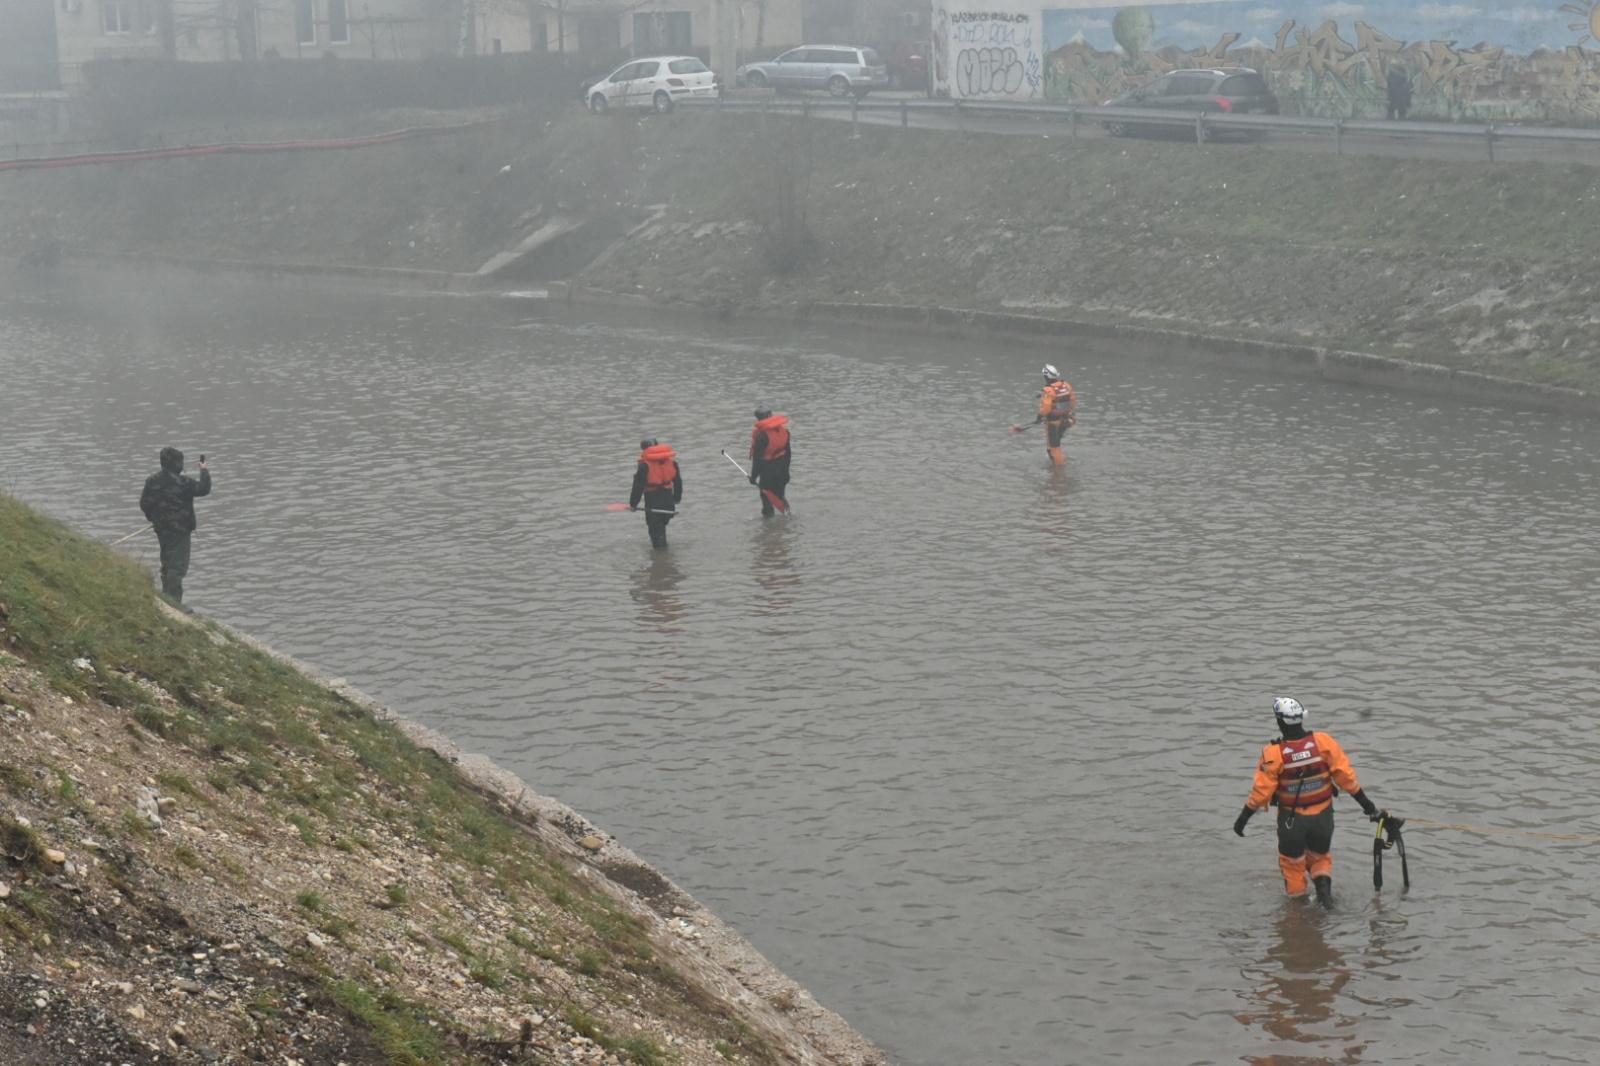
(1477, 268)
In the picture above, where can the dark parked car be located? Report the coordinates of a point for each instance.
(907, 63)
(1231, 90)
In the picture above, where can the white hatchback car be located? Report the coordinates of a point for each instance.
(656, 83)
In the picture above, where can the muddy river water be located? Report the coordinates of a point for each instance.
(959, 744)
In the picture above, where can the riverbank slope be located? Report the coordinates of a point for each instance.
(1474, 266)
(206, 856)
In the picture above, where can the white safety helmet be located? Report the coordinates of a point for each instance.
(1288, 711)
(1051, 373)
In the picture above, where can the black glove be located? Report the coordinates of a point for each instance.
(752, 479)
(1368, 808)
(1238, 823)
(1377, 816)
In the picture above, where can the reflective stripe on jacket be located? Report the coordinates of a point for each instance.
(1274, 778)
(1304, 780)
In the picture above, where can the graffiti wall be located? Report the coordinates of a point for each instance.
(993, 52)
(1478, 61)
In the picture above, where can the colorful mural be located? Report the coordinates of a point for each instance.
(1533, 59)
(988, 53)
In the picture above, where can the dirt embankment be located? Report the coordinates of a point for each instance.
(1472, 265)
(206, 857)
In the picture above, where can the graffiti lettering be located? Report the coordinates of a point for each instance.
(988, 72)
(993, 34)
(1314, 69)
(986, 16)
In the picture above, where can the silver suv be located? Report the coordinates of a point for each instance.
(839, 68)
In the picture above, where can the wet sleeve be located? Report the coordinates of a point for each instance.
(758, 448)
(147, 500)
(677, 484)
(638, 486)
(1344, 775)
(1266, 782)
(1045, 402)
(193, 488)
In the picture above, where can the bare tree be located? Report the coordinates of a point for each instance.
(236, 21)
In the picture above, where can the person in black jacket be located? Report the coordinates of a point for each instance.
(659, 483)
(168, 502)
(1397, 89)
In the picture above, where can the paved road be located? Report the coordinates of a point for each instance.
(1394, 145)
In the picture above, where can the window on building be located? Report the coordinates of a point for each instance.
(116, 16)
(305, 21)
(599, 33)
(338, 21)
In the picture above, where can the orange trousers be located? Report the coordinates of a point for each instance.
(1305, 845)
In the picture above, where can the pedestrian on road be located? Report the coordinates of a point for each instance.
(1398, 90)
(1301, 773)
(168, 502)
(659, 483)
(769, 458)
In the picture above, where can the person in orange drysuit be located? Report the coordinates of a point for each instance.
(659, 483)
(769, 457)
(1058, 407)
(1301, 773)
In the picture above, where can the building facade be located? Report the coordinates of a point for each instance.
(635, 27)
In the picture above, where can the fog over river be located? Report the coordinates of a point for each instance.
(959, 744)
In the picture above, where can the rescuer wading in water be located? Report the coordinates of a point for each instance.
(769, 458)
(659, 483)
(1058, 406)
(1301, 773)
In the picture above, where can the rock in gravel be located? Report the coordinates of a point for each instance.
(5, 890)
(54, 857)
(316, 941)
(592, 843)
(147, 808)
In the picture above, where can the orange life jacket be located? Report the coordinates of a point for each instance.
(776, 427)
(660, 469)
(1304, 780)
(1057, 401)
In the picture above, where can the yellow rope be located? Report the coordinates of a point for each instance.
(1489, 830)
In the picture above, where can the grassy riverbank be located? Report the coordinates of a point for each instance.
(208, 857)
(1473, 265)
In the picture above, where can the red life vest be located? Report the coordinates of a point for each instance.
(660, 469)
(776, 427)
(1304, 780)
(1060, 400)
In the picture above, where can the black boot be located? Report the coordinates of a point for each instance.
(1324, 887)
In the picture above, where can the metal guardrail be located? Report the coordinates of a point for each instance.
(1206, 124)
